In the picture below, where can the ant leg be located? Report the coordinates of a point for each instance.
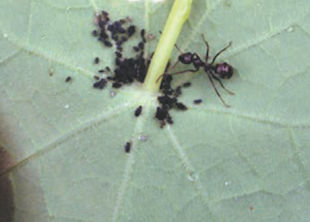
(180, 51)
(222, 85)
(215, 89)
(217, 54)
(174, 65)
(176, 73)
(180, 72)
(207, 45)
(159, 77)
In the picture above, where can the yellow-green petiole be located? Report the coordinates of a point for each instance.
(178, 15)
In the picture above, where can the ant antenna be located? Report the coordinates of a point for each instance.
(177, 47)
(217, 54)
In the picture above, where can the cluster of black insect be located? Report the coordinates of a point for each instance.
(127, 70)
(169, 100)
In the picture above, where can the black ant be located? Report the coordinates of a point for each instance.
(213, 71)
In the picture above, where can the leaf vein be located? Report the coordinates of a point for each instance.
(62, 139)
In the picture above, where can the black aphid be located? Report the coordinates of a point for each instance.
(107, 43)
(181, 106)
(100, 84)
(68, 79)
(197, 101)
(120, 48)
(97, 60)
(214, 71)
(111, 27)
(167, 100)
(131, 30)
(187, 84)
(95, 33)
(127, 147)
(116, 85)
(103, 36)
(141, 45)
(118, 54)
(178, 91)
(136, 49)
(161, 113)
(138, 111)
(142, 33)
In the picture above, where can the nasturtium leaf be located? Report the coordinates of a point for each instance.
(62, 155)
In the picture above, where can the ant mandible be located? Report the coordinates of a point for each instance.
(214, 71)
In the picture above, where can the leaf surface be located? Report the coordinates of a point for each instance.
(249, 162)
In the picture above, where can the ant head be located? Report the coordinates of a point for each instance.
(186, 58)
(224, 70)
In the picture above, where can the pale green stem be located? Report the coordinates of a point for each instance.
(178, 15)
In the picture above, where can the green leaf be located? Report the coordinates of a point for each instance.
(63, 143)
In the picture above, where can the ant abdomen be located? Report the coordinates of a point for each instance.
(223, 70)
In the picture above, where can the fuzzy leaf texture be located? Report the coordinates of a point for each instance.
(62, 156)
